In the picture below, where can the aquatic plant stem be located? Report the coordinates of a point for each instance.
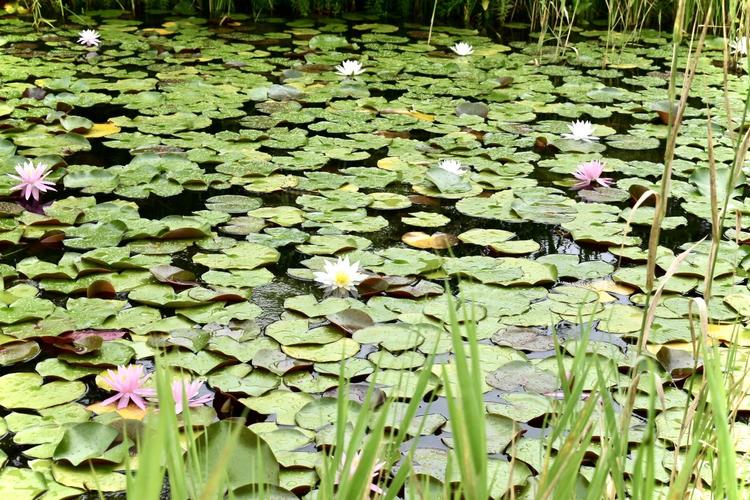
(675, 120)
(432, 22)
(740, 152)
(715, 223)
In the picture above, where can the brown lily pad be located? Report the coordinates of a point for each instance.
(173, 275)
(351, 320)
(678, 362)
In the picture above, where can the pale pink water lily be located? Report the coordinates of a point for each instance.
(89, 38)
(581, 131)
(128, 382)
(192, 394)
(354, 465)
(452, 166)
(589, 173)
(463, 49)
(350, 68)
(340, 277)
(32, 180)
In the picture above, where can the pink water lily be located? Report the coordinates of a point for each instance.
(32, 180)
(192, 394)
(354, 465)
(589, 173)
(128, 382)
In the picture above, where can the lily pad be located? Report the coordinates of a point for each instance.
(26, 390)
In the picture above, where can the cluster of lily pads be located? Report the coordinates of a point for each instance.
(209, 179)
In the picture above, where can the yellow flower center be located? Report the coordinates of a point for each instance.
(342, 279)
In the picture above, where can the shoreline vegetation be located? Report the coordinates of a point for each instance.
(540, 16)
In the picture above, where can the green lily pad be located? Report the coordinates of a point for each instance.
(334, 351)
(425, 219)
(395, 337)
(85, 441)
(244, 256)
(521, 376)
(21, 482)
(26, 390)
(247, 450)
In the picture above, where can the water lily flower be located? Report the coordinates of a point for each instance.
(340, 277)
(463, 49)
(89, 38)
(581, 131)
(452, 166)
(350, 68)
(128, 382)
(738, 47)
(356, 459)
(590, 172)
(192, 394)
(32, 180)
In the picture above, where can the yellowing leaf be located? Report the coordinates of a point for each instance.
(4, 339)
(682, 346)
(16, 8)
(421, 116)
(735, 333)
(491, 50)
(350, 188)
(418, 239)
(607, 285)
(414, 114)
(604, 297)
(102, 130)
(130, 412)
(158, 31)
(390, 163)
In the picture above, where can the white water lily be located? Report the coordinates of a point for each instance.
(463, 49)
(581, 131)
(340, 277)
(738, 47)
(350, 68)
(452, 166)
(89, 38)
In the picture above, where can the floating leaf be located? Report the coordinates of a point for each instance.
(247, 451)
(26, 390)
(85, 441)
(521, 376)
(439, 241)
(18, 352)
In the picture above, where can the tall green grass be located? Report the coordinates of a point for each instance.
(582, 417)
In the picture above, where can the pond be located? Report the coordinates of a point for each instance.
(205, 176)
